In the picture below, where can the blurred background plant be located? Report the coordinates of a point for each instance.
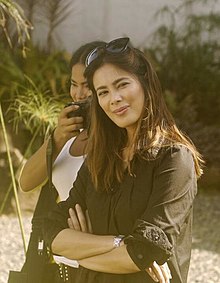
(187, 59)
(35, 110)
(46, 69)
(10, 11)
(33, 82)
(33, 87)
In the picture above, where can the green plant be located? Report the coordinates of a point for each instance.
(34, 109)
(9, 10)
(10, 73)
(48, 71)
(12, 177)
(186, 58)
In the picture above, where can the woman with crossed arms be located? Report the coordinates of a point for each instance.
(69, 143)
(138, 181)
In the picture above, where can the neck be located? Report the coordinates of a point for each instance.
(130, 135)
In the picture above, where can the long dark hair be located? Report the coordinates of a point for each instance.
(156, 127)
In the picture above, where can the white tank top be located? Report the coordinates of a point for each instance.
(65, 170)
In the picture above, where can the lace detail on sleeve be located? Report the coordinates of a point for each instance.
(148, 243)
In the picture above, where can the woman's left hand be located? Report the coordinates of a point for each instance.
(159, 273)
(79, 220)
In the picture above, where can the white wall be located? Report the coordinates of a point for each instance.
(109, 19)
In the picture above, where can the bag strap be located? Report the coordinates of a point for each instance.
(48, 194)
(49, 154)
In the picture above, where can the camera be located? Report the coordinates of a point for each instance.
(83, 111)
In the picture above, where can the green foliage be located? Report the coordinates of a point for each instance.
(34, 109)
(48, 71)
(32, 80)
(10, 72)
(9, 10)
(186, 57)
(33, 88)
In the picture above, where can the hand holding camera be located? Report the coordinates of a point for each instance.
(72, 119)
(82, 111)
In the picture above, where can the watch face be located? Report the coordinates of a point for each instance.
(117, 241)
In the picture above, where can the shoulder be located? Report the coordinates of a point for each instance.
(176, 158)
(176, 151)
(69, 143)
(65, 149)
(64, 154)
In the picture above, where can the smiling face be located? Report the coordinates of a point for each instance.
(120, 95)
(79, 88)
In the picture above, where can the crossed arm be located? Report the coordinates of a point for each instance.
(172, 196)
(97, 252)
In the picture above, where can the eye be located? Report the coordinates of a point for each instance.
(73, 84)
(102, 93)
(122, 84)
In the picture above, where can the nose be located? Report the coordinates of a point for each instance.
(115, 97)
(79, 93)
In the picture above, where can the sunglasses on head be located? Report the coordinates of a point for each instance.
(115, 46)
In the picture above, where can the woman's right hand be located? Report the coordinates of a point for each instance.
(79, 220)
(67, 127)
(34, 172)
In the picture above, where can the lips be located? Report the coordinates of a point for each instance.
(121, 110)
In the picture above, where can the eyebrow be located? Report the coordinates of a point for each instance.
(114, 83)
(84, 83)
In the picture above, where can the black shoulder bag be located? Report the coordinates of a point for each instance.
(38, 267)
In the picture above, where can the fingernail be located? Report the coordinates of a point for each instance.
(155, 278)
(70, 210)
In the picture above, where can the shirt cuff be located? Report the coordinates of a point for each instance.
(148, 243)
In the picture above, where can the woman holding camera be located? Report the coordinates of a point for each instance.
(68, 150)
(68, 141)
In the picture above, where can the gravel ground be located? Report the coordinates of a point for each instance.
(205, 262)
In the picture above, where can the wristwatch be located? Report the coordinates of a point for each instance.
(117, 241)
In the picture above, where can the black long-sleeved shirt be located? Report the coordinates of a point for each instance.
(153, 207)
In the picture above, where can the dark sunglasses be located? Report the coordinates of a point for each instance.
(115, 46)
